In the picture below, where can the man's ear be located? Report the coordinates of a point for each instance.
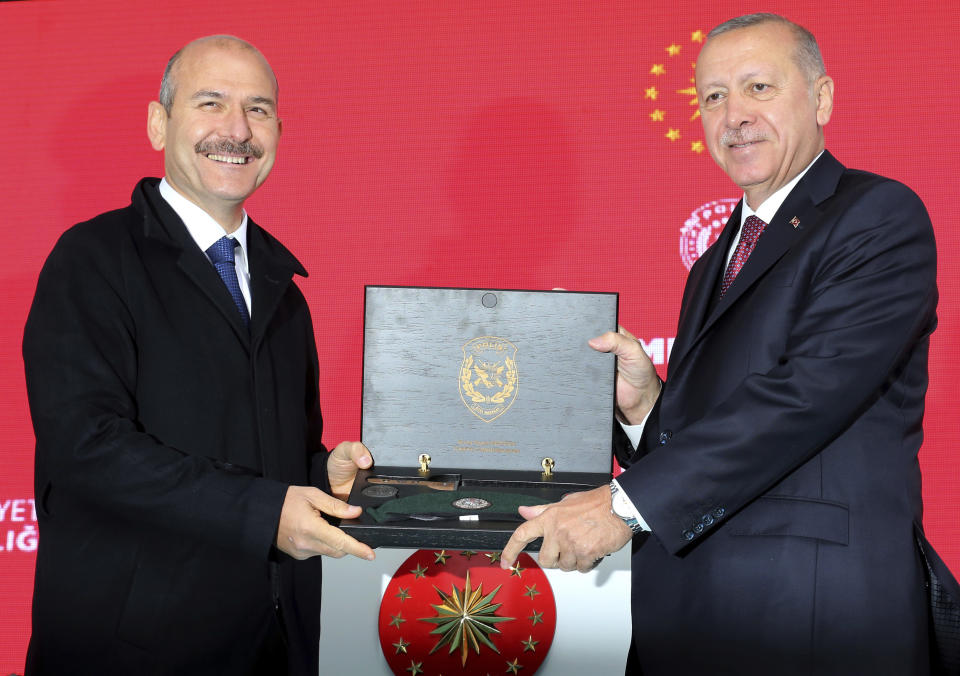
(157, 125)
(824, 93)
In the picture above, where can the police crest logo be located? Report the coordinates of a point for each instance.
(703, 227)
(488, 376)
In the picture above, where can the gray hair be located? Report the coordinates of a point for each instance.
(807, 53)
(168, 83)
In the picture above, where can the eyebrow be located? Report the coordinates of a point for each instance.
(215, 94)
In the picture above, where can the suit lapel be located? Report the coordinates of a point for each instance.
(272, 267)
(795, 219)
(778, 237)
(162, 224)
(702, 282)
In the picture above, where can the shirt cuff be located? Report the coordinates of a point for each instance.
(633, 509)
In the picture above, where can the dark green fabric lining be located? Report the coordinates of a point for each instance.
(441, 502)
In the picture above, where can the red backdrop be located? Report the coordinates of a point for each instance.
(495, 144)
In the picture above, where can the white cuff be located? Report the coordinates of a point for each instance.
(630, 505)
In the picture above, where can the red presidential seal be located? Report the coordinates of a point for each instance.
(453, 612)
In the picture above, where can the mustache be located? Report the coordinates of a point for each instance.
(740, 136)
(225, 146)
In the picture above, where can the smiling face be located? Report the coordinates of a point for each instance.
(221, 134)
(762, 116)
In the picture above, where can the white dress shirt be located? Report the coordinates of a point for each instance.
(205, 231)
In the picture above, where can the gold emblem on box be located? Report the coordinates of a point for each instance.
(488, 376)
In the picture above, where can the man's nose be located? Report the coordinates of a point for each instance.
(234, 124)
(739, 111)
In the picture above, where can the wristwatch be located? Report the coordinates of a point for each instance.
(621, 508)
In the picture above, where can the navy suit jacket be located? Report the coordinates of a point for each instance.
(778, 469)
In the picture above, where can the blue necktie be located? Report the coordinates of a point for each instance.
(221, 254)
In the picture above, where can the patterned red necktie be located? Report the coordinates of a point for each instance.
(752, 229)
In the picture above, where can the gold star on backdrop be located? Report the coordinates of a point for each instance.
(531, 591)
(442, 557)
(536, 617)
(401, 646)
(403, 594)
(395, 620)
(415, 668)
(493, 556)
(517, 570)
(530, 645)
(467, 554)
(514, 667)
(652, 93)
(419, 571)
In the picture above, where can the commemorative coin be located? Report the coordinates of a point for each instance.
(471, 503)
(379, 491)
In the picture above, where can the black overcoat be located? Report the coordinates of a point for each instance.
(167, 435)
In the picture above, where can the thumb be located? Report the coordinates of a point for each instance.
(337, 508)
(532, 512)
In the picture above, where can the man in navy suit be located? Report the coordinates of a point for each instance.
(776, 468)
(183, 492)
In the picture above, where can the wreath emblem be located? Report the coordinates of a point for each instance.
(488, 376)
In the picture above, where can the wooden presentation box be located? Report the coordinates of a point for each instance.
(475, 401)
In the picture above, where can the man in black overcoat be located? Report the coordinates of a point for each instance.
(182, 489)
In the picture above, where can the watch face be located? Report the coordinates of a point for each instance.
(619, 505)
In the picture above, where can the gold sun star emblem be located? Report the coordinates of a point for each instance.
(466, 619)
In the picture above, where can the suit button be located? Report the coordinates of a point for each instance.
(719, 512)
(707, 520)
(698, 528)
(688, 535)
(665, 437)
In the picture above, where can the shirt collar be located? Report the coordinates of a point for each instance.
(202, 227)
(768, 209)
